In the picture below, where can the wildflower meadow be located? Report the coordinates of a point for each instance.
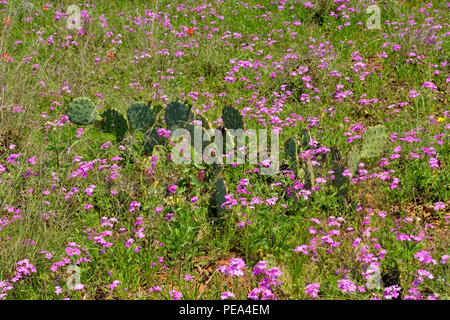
(224, 150)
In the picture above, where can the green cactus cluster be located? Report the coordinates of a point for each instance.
(142, 117)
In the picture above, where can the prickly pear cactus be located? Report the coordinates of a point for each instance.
(306, 171)
(140, 116)
(207, 135)
(340, 181)
(229, 142)
(309, 174)
(82, 111)
(205, 123)
(177, 115)
(232, 118)
(336, 155)
(303, 169)
(151, 139)
(353, 160)
(374, 141)
(290, 149)
(220, 193)
(114, 122)
(157, 107)
(215, 169)
(305, 138)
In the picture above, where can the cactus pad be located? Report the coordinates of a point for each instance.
(82, 111)
(232, 118)
(309, 174)
(305, 137)
(339, 181)
(290, 149)
(220, 193)
(353, 160)
(374, 141)
(205, 123)
(140, 116)
(177, 115)
(115, 123)
(151, 139)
